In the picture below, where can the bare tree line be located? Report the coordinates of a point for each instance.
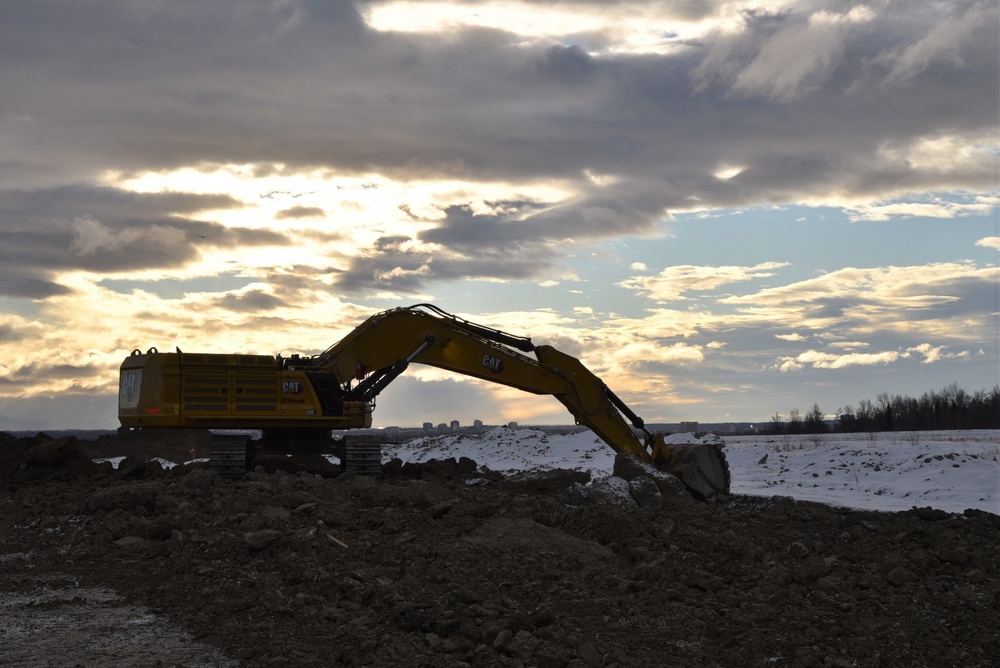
(950, 408)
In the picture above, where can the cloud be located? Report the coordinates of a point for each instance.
(90, 236)
(516, 225)
(41, 372)
(300, 212)
(672, 283)
(14, 329)
(848, 345)
(989, 242)
(46, 232)
(249, 301)
(903, 297)
(491, 105)
(820, 360)
(942, 45)
(800, 56)
(931, 353)
(407, 266)
(938, 207)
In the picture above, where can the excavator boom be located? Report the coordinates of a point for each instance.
(337, 388)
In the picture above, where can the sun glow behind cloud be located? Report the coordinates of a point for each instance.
(285, 300)
(341, 216)
(613, 28)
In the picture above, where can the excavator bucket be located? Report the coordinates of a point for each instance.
(698, 463)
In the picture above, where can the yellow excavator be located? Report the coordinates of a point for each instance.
(298, 400)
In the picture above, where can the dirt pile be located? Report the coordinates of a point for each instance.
(446, 564)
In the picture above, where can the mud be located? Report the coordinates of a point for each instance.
(448, 564)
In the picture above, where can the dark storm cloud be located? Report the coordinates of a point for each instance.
(532, 225)
(391, 267)
(806, 104)
(10, 332)
(104, 202)
(38, 372)
(105, 230)
(566, 64)
(308, 83)
(252, 301)
(160, 85)
(22, 284)
(962, 297)
(300, 212)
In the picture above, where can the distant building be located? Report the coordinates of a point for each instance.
(512, 425)
(689, 427)
(428, 425)
(477, 423)
(455, 424)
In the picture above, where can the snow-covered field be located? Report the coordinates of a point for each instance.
(949, 470)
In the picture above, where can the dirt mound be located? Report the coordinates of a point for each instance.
(450, 565)
(42, 457)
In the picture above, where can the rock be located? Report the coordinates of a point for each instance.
(957, 557)
(811, 569)
(645, 492)
(629, 468)
(522, 646)
(275, 513)
(575, 495)
(798, 550)
(50, 453)
(439, 510)
(393, 467)
(929, 514)
(900, 576)
(587, 653)
(132, 468)
(502, 640)
(554, 482)
(975, 576)
(610, 491)
(199, 479)
(258, 540)
(127, 497)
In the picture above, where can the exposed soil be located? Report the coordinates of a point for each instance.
(447, 564)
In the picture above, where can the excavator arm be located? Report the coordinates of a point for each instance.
(381, 348)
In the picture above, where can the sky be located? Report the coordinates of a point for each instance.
(726, 210)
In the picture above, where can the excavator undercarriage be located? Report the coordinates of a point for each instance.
(297, 401)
